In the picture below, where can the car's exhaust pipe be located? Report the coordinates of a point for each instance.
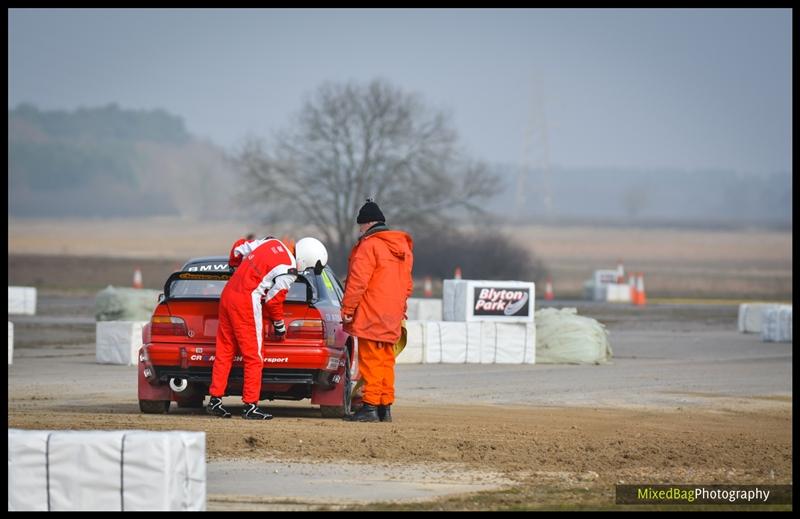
(178, 384)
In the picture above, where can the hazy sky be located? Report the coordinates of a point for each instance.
(692, 89)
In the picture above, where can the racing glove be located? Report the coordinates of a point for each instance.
(280, 329)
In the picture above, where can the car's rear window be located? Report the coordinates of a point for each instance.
(212, 288)
(194, 288)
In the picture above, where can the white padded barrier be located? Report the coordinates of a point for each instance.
(482, 342)
(412, 353)
(777, 324)
(421, 309)
(10, 343)
(22, 300)
(118, 342)
(106, 470)
(618, 293)
(751, 316)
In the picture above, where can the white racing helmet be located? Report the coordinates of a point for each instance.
(308, 252)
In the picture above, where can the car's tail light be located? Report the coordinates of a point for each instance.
(306, 329)
(167, 325)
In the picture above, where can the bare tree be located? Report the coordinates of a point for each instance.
(353, 141)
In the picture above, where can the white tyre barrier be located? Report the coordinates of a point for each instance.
(420, 309)
(22, 300)
(118, 342)
(106, 470)
(777, 324)
(751, 316)
(483, 342)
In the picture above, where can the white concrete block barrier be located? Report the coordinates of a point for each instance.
(118, 342)
(21, 300)
(106, 470)
(421, 309)
(751, 316)
(10, 343)
(618, 293)
(481, 342)
(776, 324)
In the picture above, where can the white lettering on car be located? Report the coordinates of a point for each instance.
(276, 360)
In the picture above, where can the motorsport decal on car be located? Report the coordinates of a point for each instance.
(505, 302)
(192, 275)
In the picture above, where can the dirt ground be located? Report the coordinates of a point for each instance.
(555, 456)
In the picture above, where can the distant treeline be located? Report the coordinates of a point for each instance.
(111, 162)
(710, 199)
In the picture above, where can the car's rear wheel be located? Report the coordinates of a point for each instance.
(154, 406)
(340, 411)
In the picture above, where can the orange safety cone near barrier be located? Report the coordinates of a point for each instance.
(548, 290)
(137, 278)
(457, 274)
(641, 298)
(632, 287)
(428, 287)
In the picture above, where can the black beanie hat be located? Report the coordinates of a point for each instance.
(370, 212)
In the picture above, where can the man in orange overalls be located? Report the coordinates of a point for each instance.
(374, 305)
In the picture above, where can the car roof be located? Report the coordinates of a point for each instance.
(214, 263)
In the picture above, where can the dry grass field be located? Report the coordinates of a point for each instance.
(747, 264)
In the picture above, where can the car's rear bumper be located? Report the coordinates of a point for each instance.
(268, 376)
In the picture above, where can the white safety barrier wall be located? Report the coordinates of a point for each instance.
(22, 300)
(118, 342)
(106, 470)
(776, 324)
(420, 309)
(751, 315)
(488, 300)
(10, 343)
(618, 293)
(481, 342)
(564, 337)
(414, 352)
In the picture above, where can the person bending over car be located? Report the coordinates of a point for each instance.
(266, 268)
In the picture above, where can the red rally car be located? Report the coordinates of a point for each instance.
(315, 360)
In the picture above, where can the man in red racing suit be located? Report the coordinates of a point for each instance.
(265, 268)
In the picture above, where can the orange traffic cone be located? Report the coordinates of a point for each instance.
(428, 287)
(457, 274)
(641, 298)
(548, 290)
(632, 287)
(137, 278)
(620, 272)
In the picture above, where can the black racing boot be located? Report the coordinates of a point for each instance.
(252, 412)
(215, 407)
(385, 413)
(367, 413)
